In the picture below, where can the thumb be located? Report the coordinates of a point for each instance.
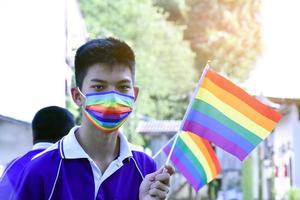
(152, 175)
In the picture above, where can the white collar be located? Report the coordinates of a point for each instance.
(41, 145)
(71, 149)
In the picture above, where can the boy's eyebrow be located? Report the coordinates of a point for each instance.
(125, 81)
(98, 80)
(102, 81)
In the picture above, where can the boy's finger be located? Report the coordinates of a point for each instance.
(163, 177)
(169, 169)
(152, 175)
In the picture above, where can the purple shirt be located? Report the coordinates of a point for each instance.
(65, 172)
(13, 170)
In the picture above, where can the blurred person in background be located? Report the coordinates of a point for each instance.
(49, 125)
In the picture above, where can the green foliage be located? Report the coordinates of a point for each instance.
(176, 9)
(129, 130)
(165, 70)
(226, 32)
(294, 194)
(247, 180)
(74, 109)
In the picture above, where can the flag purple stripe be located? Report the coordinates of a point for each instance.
(215, 138)
(182, 167)
(219, 128)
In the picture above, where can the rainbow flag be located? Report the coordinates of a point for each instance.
(195, 159)
(227, 116)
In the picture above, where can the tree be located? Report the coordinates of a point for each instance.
(226, 32)
(176, 9)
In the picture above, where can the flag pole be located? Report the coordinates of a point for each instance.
(160, 150)
(187, 110)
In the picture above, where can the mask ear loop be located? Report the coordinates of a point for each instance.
(82, 95)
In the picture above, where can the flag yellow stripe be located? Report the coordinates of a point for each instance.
(197, 153)
(205, 95)
(238, 104)
(200, 143)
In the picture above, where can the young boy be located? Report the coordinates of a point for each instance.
(95, 161)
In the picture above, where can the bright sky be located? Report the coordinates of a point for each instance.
(277, 73)
(35, 37)
(32, 51)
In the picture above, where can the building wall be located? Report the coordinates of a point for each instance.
(284, 151)
(296, 150)
(15, 139)
(230, 175)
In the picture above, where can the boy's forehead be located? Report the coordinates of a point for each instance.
(103, 72)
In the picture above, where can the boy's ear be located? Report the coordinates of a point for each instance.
(77, 98)
(136, 92)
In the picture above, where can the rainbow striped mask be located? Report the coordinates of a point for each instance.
(107, 111)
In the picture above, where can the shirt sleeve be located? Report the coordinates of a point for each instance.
(30, 186)
(145, 163)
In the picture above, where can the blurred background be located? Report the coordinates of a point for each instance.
(254, 43)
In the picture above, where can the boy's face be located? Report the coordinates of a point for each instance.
(102, 78)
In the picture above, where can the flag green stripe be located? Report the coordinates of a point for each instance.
(189, 154)
(207, 109)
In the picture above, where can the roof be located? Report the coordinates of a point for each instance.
(158, 126)
(284, 100)
(10, 119)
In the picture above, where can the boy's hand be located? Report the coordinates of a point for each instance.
(156, 185)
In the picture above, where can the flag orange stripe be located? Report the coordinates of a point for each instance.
(212, 153)
(204, 149)
(239, 105)
(241, 94)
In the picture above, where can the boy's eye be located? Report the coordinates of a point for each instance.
(98, 87)
(124, 87)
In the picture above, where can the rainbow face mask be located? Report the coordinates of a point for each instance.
(107, 111)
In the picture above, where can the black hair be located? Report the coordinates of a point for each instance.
(51, 123)
(109, 51)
